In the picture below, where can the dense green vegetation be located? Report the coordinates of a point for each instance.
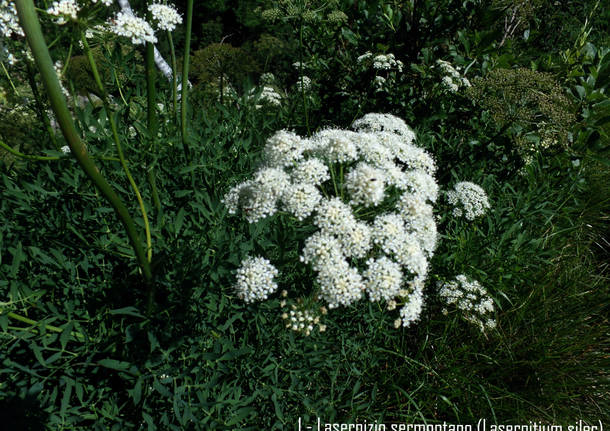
(509, 94)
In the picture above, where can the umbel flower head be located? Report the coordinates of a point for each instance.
(65, 10)
(469, 200)
(471, 299)
(130, 26)
(326, 182)
(9, 23)
(166, 16)
(255, 279)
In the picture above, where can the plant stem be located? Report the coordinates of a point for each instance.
(185, 75)
(51, 328)
(29, 22)
(117, 142)
(26, 156)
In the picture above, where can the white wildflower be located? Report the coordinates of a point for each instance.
(283, 148)
(303, 83)
(166, 16)
(340, 284)
(335, 145)
(356, 240)
(334, 216)
(366, 185)
(9, 22)
(383, 279)
(65, 10)
(469, 199)
(301, 200)
(255, 279)
(321, 250)
(471, 299)
(310, 171)
(384, 123)
(411, 311)
(422, 184)
(130, 26)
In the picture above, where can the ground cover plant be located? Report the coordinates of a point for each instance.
(254, 215)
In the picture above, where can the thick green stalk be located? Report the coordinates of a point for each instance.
(29, 22)
(185, 74)
(119, 147)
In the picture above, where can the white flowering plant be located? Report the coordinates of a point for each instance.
(362, 202)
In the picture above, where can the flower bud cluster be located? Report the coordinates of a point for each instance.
(469, 200)
(471, 299)
(302, 319)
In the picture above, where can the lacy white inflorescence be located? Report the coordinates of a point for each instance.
(469, 199)
(329, 181)
(385, 66)
(255, 279)
(166, 16)
(471, 299)
(453, 79)
(64, 10)
(9, 23)
(137, 29)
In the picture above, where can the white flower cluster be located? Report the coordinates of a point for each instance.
(268, 96)
(104, 2)
(386, 64)
(469, 200)
(6, 55)
(255, 279)
(303, 83)
(471, 299)
(65, 10)
(130, 26)
(267, 78)
(453, 79)
(375, 163)
(166, 16)
(9, 23)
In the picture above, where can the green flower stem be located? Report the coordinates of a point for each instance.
(51, 328)
(119, 147)
(152, 119)
(45, 158)
(172, 50)
(27, 156)
(10, 81)
(29, 22)
(185, 75)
